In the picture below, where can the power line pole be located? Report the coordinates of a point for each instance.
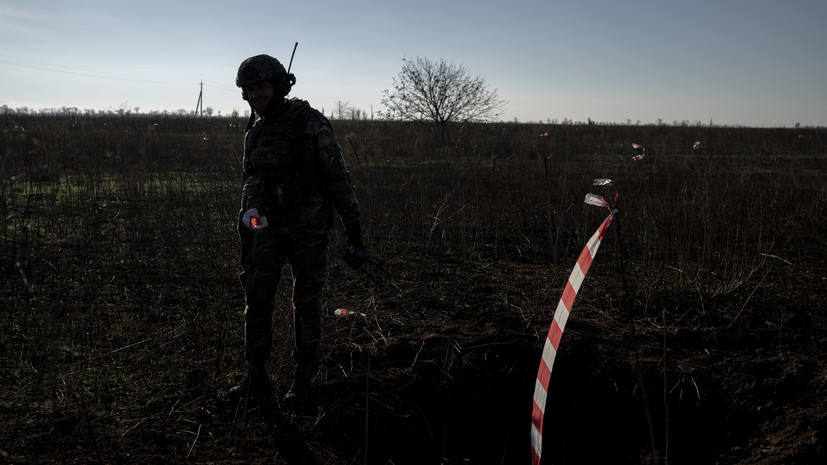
(200, 103)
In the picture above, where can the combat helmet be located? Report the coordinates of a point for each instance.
(264, 68)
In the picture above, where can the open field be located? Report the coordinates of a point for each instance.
(121, 307)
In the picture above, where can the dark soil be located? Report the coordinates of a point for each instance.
(442, 369)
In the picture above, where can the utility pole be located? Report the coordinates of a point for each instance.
(200, 103)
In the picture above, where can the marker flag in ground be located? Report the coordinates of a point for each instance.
(558, 324)
(641, 154)
(696, 145)
(346, 312)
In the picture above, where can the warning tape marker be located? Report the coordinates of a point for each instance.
(558, 324)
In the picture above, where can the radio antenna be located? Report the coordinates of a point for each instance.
(291, 57)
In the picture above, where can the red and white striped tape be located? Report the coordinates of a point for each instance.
(642, 154)
(552, 343)
(601, 202)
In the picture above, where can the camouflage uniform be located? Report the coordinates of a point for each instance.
(294, 174)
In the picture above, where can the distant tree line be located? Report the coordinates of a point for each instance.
(342, 110)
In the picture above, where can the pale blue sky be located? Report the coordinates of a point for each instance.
(745, 62)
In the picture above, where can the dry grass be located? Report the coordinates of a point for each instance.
(121, 302)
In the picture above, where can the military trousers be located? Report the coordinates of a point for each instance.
(307, 255)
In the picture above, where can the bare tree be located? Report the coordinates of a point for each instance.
(341, 109)
(441, 93)
(354, 113)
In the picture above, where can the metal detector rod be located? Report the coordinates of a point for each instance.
(291, 57)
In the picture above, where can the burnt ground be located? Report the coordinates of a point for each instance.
(441, 370)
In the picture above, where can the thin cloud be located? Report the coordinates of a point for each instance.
(39, 65)
(13, 20)
(8, 11)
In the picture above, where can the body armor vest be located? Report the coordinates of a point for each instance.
(283, 174)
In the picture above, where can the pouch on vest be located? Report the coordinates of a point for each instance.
(272, 157)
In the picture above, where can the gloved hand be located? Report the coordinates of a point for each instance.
(354, 235)
(355, 257)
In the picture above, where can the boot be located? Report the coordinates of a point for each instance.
(257, 384)
(297, 396)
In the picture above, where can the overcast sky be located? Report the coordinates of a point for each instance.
(754, 63)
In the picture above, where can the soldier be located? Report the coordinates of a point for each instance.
(294, 177)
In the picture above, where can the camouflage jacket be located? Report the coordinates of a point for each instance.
(294, 172)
